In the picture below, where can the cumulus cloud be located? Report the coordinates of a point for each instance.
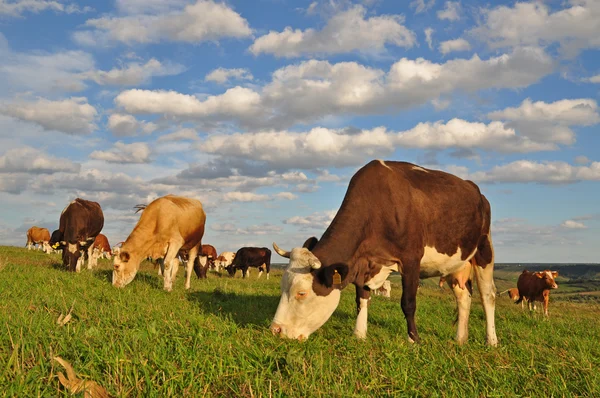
(429, 37)
(286, 196)
(223, 75)
(550, 122)
(137, 152)
(533, 23)
(594, 79)
(232, 229)
(126, 125)
(198, 22)
(582, 160)
(449, 46)
(72, 116)
(245, 197)
(451, 12)
(33, 161)
(422, 5)
(16, 8)
(526, 171)
(186, 134)
(319, 220)
(345, 32)
(133, 73)
(571, 224)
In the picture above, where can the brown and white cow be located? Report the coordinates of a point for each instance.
(224, 260)
(536, 286)
(80, 222)
(246, 257)
(168, 224)
(101, 248)
(385, 290)
(395, 216)
(208, 255)
(38, 236)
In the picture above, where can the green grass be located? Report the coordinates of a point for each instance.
(214, 340)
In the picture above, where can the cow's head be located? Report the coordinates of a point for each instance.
(125, 267)
(71, 255)
(309, 293)
(548, 278)
(230, 269)
(56, 240)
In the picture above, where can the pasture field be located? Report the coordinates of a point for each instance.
(214, 340)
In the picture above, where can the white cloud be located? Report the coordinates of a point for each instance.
(571, 224)
(126, 125)
(16, 8)
(429, 37)
(286, 196)
(133, 73)
(422, 5)
(582, 160)
(533, 23)
(526, 171)
(180, 135)
(33, 161)
(72, 116)
(345, 32)
(198, 22)
(449, 46)
(546, 122)
(137, 152)
(231, 229)
(319, 220)
(245, 197)
(451, 12)
(594, 79)
(223, 75)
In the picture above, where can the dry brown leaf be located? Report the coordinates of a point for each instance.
(64, 319)
(75, 385)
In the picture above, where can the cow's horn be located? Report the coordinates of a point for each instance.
(282, 253)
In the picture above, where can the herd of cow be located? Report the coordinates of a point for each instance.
(395, 216)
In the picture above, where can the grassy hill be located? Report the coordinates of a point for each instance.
(214, 341)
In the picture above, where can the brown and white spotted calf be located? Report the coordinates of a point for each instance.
(536, 286)
(395, 216)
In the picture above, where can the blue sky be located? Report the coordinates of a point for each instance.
(264, 109)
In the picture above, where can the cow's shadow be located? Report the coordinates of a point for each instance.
(243, 309)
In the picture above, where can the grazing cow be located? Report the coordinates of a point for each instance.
(536, 286)
(80, 222)
(224, 260)
(38, 236)
(258, 257)
(117, 248)
(384, 290)
(395, 216)
(209, 255)
(168, 224)
(102, 247)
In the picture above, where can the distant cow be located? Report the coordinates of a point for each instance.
(536, 286)
(209, 255)
(38, 236)
(168, 224)
(384, 290)
(80, 222)
(102, 247)
(257, 257)
(224, 260)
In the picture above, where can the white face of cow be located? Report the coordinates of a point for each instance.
(301, 311)
(125, 267)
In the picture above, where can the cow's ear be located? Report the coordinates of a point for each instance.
(124, 256)
(310, 243)
(327, 275)
(554, 274)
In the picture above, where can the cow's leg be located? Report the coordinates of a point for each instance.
(192, 257)
(260, 272)
(28, 245)
(408, 302)
(168, 264)
(91, 257)
(546, 301)
(363, 297)
(460, 283)
(487, 290)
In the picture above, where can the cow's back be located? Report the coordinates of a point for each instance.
(80, 220)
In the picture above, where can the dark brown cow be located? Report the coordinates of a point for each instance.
(38, 236)
(257, 257)
(396, 216)
(102, 247)
(80, 222)
(208, 254)
(536, 286)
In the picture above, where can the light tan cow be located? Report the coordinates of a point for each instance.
(38, 236)
(224, 260)
(168, 224)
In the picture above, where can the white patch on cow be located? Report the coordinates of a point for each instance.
(72, 248)
(377, 281)
(360, 330)
(383, 163)
(420, 169)
(203, 260)
(79, 263)
(434, 263)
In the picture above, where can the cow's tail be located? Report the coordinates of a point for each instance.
(501, 293)
(139, 208)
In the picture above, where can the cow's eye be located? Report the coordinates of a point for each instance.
(301, 295)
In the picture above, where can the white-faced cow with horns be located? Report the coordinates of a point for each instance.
(396, 216)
